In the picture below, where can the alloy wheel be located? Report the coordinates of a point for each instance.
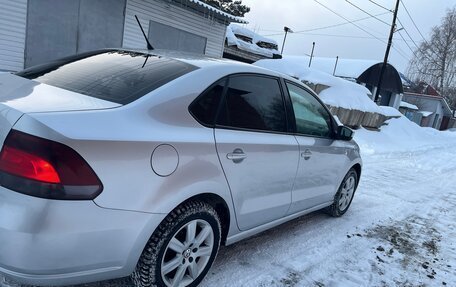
(187, 253)
(346, 194)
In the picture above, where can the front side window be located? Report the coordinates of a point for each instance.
(311, 117)
(253, 103)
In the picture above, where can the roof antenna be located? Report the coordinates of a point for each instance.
(149, 46)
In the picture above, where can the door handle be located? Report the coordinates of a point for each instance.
(306, 154)
(236, 156)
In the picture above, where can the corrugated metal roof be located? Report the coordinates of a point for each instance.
(203, 7)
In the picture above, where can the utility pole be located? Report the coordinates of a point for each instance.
(388, 47)
(286, 29)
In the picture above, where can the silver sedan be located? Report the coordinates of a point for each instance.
(117, 163)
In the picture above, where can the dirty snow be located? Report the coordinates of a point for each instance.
(341, 93)
(399, 231)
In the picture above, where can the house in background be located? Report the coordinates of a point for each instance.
(433, 110)
(366, 73)
(411, 112)
(246, 46)
(31, 34)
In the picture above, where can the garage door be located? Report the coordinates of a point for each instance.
(73, 27)
(166, 37)
(13, 18)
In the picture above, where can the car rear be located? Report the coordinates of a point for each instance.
(51, 230)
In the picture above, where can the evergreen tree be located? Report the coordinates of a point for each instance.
(233, 7)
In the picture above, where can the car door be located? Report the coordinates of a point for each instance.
(258, 157)
(322, 158)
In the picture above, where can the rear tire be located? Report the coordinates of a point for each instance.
(344, 195)
(182, 248)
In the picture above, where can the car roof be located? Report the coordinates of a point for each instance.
(203, 61)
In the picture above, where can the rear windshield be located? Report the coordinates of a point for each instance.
(117, 76)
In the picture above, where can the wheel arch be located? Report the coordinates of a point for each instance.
(357, 168)
(219, 205)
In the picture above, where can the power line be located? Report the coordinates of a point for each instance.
(383, 7)
(351, 22)
(324, 27)
(343, 36)
(400, 52)
(399, 32)
(411, 18)
(361, 9)
(406, 32)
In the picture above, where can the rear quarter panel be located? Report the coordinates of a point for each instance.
(118, 144)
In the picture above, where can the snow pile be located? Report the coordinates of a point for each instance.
(232, 30)
(402, 135)
(341, 93)
(346, 68)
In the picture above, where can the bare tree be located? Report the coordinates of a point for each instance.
(434, 61)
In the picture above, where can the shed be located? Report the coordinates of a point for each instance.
(434, 109)
(30, 34)
(364, 72)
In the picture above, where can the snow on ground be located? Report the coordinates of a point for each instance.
(341, 93)
(399, 231)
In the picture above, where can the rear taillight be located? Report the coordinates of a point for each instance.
(47, 169)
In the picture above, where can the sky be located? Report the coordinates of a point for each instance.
(367, 41)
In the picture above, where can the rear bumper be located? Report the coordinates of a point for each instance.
(51, 242)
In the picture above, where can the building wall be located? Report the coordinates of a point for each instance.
(177, 17)
(73, 27)
(395, 101)
(13, 20)
(430, 105)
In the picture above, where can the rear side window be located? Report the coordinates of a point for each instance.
(204, 108)
(117, 76)
(253, 103)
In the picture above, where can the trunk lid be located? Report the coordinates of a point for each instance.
(27, 96)
(19, 95)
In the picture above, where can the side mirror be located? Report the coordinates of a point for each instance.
(344, 133)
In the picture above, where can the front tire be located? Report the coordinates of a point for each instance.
(344, 195)
(182, 249)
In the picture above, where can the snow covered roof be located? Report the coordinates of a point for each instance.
(250, 41)
(346, 68)
(341, 93)
(446, 108)
(408, 106)
(425, 113)
(196, 4)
